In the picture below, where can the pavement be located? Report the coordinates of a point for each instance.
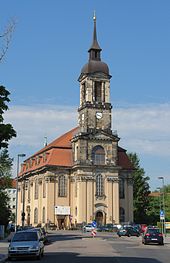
(4, 248)
(4, 245)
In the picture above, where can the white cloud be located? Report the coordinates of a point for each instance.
(142, 128)
(34, 123)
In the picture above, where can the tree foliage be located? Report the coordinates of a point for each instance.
(5, 182)
(6, 130)
(140, 190)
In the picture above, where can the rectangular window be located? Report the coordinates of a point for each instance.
(98, 91)
(83, 92)
(62, 187)
(122, 188)
(29, 193)
(44, 189)
(36, 190)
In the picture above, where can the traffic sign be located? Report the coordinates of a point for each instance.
(162, 215)
(93, 232)
(94, 224)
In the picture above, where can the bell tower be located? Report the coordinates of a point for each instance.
(95, 108)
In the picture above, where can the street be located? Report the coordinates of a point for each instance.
(75, 246)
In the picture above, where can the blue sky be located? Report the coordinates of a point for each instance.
(49, 48)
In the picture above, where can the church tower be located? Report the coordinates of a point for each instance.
(95, 108)
(94, 112)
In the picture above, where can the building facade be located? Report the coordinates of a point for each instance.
(83, 175)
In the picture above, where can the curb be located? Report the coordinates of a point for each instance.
(3, 258)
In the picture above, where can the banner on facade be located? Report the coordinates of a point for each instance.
(62, 210)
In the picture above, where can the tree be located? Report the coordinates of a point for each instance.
(5, 182)
(5, 38)
(140, 190)
(6, 130)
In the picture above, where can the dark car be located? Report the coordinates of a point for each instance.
(128, 231)
(152, 235)
(107, 228)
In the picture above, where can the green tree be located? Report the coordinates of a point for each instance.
(5, 182)
(140, 190)
(6, 130)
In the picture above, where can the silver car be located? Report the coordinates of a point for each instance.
(88, 228)
(26, 243)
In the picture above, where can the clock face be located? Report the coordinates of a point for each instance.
(98, 115)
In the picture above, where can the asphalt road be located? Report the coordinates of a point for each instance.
(78, 247)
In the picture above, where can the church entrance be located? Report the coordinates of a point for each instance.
(99, 218)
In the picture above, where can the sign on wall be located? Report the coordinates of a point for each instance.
(62, 210)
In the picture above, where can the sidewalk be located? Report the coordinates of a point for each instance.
(4, 248)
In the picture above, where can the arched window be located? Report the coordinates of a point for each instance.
(62, 187)
(122, 214)
(36, 216)
(99, 185)
(43, 215)
(98, 155)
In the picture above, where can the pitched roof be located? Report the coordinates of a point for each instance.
(59, 153)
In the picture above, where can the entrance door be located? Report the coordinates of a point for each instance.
(99, 218)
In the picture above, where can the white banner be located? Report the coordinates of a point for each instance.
(62, 210)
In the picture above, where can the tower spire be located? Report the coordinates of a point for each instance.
(95, 45)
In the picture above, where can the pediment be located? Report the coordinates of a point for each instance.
(103, 136)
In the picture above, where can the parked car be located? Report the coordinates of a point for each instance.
(152, 235)
(88, 228)
(11, 227)
(107, 228)
(128, 231)
(26, 243)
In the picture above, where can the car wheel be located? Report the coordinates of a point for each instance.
(119, 235)
(9, 258)
(162, 243)
(129, 235)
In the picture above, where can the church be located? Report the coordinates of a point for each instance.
(83, 175)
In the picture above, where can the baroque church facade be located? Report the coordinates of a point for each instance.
(83, 175)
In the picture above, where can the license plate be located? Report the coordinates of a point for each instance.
(153, 238)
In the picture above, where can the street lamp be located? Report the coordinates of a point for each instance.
(23, 202)
(163, 200)
(16, 208)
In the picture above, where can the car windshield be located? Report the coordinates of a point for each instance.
(153, 231)
(25, 236)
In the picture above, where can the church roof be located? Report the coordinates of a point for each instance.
(59, 153)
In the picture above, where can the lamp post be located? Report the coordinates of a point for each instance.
(16, 207)
(163, 201)
(160, 208)
(23, 202)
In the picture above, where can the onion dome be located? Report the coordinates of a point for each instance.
(95, 64)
